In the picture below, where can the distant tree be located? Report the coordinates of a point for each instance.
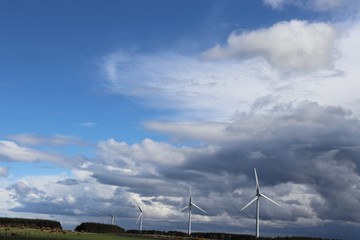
(98, 228)
(177, 233)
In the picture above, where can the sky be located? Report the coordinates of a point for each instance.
(105, 104)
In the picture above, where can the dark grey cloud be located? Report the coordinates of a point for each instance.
(309, 144)
(137, 184)
(21, 190)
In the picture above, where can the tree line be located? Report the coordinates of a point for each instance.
(217, 235)
(229, 236)
(29, 223)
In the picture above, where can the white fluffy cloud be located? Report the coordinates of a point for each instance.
(216, 90)
(295, 45)
(148, 151)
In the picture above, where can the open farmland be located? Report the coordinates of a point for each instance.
(30, 233)
(18, 233)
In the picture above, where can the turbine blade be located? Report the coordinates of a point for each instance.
(190, 196)
(253, 200)
(139, 218)
(269, 199)
(184, 208)
(139, 207)
(198, 207)
(257, 181)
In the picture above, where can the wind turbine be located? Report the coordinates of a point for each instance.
(189, 207)
(112, 219)
(140, 217)
(256, 198)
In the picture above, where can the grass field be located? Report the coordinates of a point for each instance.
(41, 234)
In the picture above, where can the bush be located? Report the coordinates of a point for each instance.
(98, 228)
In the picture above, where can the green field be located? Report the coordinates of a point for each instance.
(30, 233)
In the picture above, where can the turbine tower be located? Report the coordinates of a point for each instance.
(189, 207)
(256, 198)
(140, 218)
(112, 219)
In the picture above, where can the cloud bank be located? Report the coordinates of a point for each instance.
(307, 157)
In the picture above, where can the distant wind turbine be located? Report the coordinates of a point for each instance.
(140, 218)
(112, 219)
(189, 207)
(256, 198)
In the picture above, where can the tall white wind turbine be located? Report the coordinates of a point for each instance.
(140, 218)
(112, 219)
(256, 198)
(189, 206)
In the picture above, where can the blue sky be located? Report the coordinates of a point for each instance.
(104, 103)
